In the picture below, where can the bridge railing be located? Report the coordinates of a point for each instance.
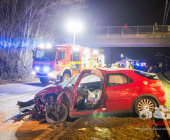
(131, 30)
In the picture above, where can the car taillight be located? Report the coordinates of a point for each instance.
(156, 84)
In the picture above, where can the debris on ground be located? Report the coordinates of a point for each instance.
(83, 129)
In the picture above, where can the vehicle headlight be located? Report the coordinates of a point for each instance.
(33, 73)
(46, 69)
(37, 68)
(50, 74)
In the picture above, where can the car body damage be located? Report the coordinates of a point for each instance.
(98, 91)
(52, 100)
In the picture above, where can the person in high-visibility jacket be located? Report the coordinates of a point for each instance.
(90, 63)
(105, 66)
(84, 67)
(129, 66)
(116, 65)
(113, 66)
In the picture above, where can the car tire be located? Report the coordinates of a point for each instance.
(144, 102)
(65, 77)
(44, 80)
(52, 120)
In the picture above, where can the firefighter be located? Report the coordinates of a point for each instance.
(128, 65)
(113, 66)
(90, 62)
(116, 65)
(84, 66)
(105, 66)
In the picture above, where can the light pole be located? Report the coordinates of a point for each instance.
(74, 40)
(75, 27)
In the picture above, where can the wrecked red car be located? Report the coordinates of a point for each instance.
(104, 91)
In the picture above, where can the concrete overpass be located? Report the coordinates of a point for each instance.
(141, 36)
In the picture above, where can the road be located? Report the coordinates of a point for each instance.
(18, 89)
(13, 125)
(9, 95)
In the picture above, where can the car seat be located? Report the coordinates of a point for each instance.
(92, 102)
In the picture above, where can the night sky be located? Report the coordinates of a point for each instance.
(134, 13)
(117, 12)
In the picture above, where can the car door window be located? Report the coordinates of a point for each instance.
(118, 79)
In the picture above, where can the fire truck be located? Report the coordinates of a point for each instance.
(60, 62)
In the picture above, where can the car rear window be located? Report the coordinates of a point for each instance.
(151, 76)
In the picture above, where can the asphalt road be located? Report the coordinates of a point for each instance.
(15, 126)
(18, 89)
(9, 113)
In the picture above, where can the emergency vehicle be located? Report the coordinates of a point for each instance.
(60, 62)
(136, 64)
(123, 63)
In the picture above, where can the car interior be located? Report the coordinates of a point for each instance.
(89, 92)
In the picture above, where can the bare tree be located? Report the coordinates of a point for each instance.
(23, 24)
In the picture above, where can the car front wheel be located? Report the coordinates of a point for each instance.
(144, 104)
(52, 116)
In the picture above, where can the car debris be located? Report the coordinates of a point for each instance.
(83, 129)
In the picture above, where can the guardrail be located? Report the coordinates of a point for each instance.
(152, 29)
(164, 77)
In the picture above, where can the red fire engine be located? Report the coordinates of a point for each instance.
(63, 61)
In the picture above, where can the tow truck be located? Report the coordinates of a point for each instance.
(60, 62)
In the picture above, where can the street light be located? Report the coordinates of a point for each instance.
(75, 27)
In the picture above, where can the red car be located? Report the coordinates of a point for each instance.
(100, 91)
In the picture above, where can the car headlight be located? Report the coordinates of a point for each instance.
(33, 73)
(37, 68)
(46, 69)
(50, 74)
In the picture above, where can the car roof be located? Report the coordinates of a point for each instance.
(112, 69)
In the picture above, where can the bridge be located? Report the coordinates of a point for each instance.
(116, 36)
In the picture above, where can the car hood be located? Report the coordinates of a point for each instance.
(48, 89)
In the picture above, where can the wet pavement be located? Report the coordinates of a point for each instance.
(15, 126)
(9, 112)
(18, 89)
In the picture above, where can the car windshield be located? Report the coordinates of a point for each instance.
(88, 78)
(71, 81)
(45, 55)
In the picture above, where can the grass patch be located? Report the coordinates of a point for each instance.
(166, 88)
(167, 74)
(110, 128)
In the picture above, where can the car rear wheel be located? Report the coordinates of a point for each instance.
(44, 80)
(51, 113)
(144, 103)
